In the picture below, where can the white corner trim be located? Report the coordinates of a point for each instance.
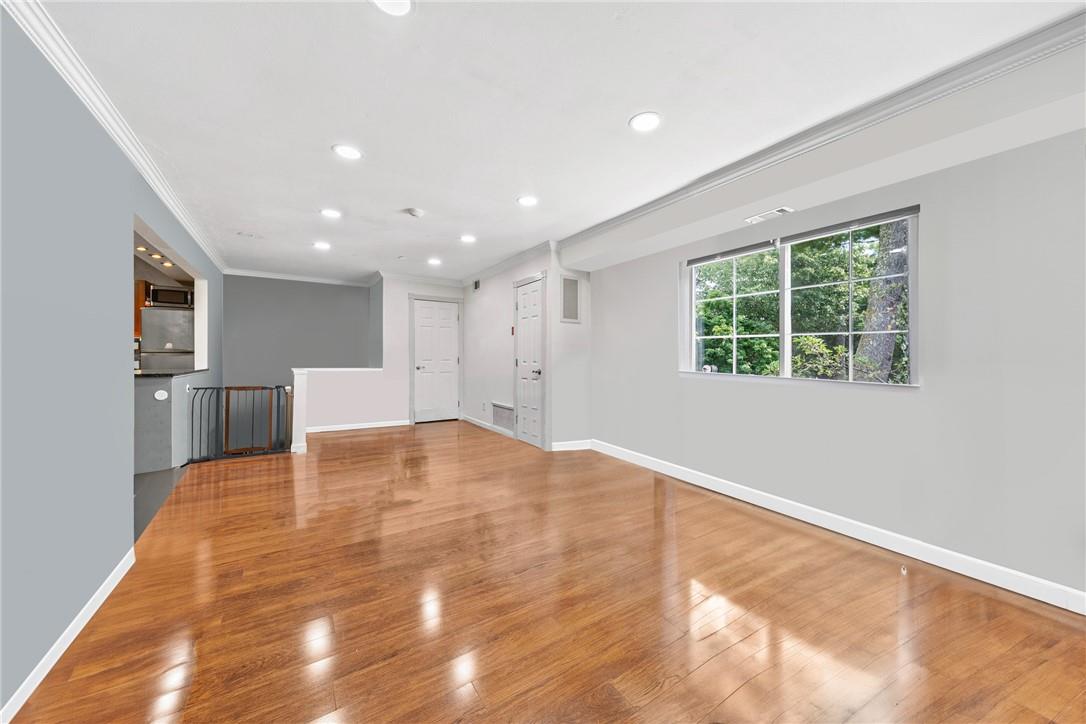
(356, 426)
(1064, 34)
(571, 445)
(294, 278)
(1041, 589)
(12, 705)
(299, 447)
(47, 36)
(487, 426)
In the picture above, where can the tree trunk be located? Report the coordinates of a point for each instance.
(875, 352)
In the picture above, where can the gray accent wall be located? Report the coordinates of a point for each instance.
(272, 325)
(984, 458)
(66, 420)
(375, 352)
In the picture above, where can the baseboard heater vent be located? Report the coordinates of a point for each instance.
(503, 416)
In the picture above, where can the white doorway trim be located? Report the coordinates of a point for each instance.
(544, 437)
(411, 299)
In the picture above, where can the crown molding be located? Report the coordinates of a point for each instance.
(509, 262)
(434, 281)
(296, 278)
(1036, 46)
(39, 26)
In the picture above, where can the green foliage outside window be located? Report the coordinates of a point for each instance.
(857, 276)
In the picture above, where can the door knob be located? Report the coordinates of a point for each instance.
(537, 372)
(418, 367)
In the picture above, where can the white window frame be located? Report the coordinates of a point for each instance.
(688, 303)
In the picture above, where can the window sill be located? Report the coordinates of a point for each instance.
(693, 374)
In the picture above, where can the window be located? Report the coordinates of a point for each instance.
(832, 304)
(737, 314)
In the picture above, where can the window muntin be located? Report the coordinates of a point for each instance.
(847, 316)
(737, 314)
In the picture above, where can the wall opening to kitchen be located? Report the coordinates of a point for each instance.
(169, 343)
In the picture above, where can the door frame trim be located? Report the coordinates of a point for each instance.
(544, 437)
(411, 299)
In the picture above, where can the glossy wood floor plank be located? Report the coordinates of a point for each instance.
(442, 572)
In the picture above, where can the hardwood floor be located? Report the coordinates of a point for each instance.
(444, 572)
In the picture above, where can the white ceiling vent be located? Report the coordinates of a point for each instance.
(767, 215)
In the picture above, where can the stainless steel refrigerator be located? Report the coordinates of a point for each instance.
(166, 341)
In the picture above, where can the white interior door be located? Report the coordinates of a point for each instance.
(437, 360)
(529, 362)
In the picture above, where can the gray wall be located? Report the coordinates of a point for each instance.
(375, 334)
(66, 426)
(985, 458)
(272, 325)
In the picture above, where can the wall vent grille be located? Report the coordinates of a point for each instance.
(571, 299)
(503, 416)
(767, 215)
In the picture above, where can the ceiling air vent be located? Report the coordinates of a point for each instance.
(767, 215)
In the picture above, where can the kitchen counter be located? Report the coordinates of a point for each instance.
(166, 373)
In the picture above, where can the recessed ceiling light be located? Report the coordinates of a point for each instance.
(348, 152)
(398, 8)
(645, 122)
(468, 238)
(141, 248)
(433, 261)
(156, 256)
(331, 213)
(527, 201)
(167, 263)
(322, 245)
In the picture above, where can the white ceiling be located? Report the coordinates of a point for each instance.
(461, 107)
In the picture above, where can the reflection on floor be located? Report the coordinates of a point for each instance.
(150, 492)
(445, 572)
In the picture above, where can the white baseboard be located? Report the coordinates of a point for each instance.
(571, 445)
(299, 447)
(357, 426)
(1041, 589)
(12, 705)
(487, 426)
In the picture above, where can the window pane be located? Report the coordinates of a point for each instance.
(713, 280)
(822, 357)
(881, 358)
(819, 261)
(880, 250)
(880, 305)
(757, 272)
(820, 309)
(713, 355)
(758, 356)
(713, 318)
(759, 314)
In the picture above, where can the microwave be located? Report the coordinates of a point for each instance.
(169, 297)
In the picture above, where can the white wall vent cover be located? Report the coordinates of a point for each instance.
(503, 416)
(571, 299)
